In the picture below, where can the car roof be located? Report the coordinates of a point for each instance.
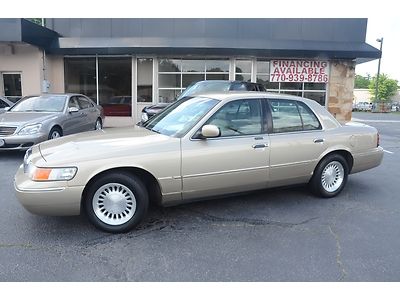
(234, 95)
(227, 81)
(237, 95)
(56, 94)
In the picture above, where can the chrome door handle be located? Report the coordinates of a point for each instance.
(257, 146)
(319, 141)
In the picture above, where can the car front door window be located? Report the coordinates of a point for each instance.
(240, 117)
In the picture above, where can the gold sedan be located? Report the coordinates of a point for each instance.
(197, 148)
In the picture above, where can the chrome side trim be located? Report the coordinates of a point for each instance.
(38, 190)
(224, 172)
(293, 163)
(169, 177)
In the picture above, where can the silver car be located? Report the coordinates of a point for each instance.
(5, 104)
(197, 148)
(36, 119)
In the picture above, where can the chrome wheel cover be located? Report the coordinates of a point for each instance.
(98, 125)
(114, 204)
(54, 135)
(332, 176)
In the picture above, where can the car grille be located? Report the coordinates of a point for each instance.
(7, 130)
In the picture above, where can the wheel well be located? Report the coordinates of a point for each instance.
(151, 183)
(58, 127)
(345, 154)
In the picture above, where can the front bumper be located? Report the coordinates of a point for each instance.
(53, 198)
(21, 142)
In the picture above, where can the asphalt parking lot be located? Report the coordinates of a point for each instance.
(273, 235)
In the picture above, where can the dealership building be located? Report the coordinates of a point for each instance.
(127, 64)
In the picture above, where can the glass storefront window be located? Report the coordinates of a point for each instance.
(217, 66)
(295, 93)
(12, 86)
(167, 96)
(262, 67)
(317, 96)
(314, 86)
(217, 76)
(263, 79)
(144, 80)
(115, 85)
(193, 66)
(243, 66)
(243, 77)
(80, 76)
(243, 70)
(169, 80)
(169, 65)
(291, 86)
(187, 79)
(174, 75)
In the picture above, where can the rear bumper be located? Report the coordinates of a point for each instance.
(367, 160)
(47, 198)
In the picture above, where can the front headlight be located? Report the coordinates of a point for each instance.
(51, 174)
(145, 117)
(30, 129)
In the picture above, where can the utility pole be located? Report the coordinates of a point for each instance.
(379, 69)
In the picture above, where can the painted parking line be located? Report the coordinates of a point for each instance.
(387, 151)
(375, 121)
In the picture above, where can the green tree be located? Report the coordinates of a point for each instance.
(362, 82)
(387, 87)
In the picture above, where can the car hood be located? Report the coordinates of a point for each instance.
(101, 145)
(22, 118)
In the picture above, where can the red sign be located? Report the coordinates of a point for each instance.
(299, 71)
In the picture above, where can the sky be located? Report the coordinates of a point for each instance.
(389, 29)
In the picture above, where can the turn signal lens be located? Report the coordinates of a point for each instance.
(52, 174)
(41, 174)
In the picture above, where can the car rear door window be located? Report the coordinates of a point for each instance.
(84, 103)
(240, 117)
(310, 121)
(290, 116)
(285, 116)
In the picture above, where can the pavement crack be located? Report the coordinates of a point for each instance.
(338, 254)
(249, 221)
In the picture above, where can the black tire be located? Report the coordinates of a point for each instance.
(55, 131)
(316, 184)
(135, 186)
(101, 124)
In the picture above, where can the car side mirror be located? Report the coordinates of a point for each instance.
(210, 131)
(72, 110)
(7, 108)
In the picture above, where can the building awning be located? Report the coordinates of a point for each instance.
(21, 30)
(24, 31)
(359, 51)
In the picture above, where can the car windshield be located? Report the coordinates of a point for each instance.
(205, 87)
(181, 116)
(45, 103)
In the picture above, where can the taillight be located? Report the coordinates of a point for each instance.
(377, 139)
